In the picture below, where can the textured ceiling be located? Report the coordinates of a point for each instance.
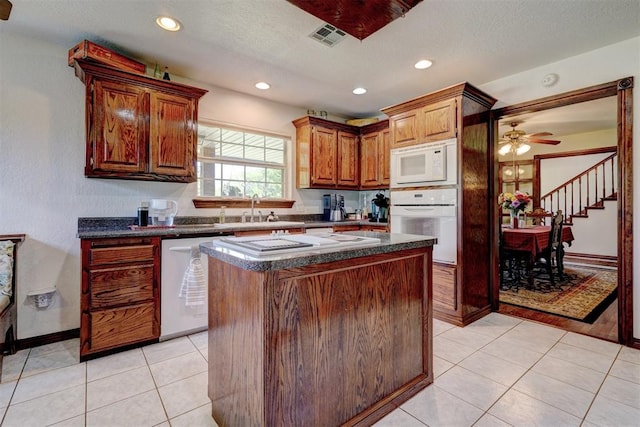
(235, 43)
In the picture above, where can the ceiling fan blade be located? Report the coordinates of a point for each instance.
(544, 141)
(5, 9)
(539, 134)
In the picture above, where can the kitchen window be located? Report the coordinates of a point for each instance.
(235, 162)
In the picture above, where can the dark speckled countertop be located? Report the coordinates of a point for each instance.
(107, 227)
(388, 243)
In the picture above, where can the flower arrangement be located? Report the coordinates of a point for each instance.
(515, 202)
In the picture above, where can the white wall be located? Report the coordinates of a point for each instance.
(43, 190)
(592, 68)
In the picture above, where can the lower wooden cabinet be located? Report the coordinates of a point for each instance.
(120, 299)
(445, 289)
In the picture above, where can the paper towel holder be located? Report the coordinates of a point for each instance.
(42, 297)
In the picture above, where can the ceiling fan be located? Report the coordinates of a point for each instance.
(5, 9)
(516, 141)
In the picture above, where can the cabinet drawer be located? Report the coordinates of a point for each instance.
(121, 254)
(122, 326)
(445, 288)
(121, 285)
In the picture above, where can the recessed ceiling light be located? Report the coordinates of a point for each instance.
(263, 85)
(359, 91)
(423, 64)
(168, 23)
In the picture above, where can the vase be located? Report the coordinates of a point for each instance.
(513, 219)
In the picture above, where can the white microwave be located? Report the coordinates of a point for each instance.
(432, 163)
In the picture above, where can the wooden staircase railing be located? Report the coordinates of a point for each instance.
(585, 191)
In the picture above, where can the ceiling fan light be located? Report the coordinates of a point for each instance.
(522, 148)
(263, 85)
(168, 23)
(506, 148)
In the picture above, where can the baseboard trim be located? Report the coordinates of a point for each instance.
(47, 339)
(591, 259)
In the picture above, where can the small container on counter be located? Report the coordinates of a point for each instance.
(143, 214)
(222, 214)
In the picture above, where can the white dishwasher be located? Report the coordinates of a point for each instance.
(177, 318)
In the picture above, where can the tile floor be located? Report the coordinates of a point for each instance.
(499, 371)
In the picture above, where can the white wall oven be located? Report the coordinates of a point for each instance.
(432, 163)
(428, 212)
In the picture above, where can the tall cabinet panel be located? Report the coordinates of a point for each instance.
(461, 292)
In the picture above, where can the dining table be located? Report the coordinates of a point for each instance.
(531, 240)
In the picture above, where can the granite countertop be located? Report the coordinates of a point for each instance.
(388, 243)
(94, 228)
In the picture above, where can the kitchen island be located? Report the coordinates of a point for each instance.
(322, 336)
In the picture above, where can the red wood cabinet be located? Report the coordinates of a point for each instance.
(138, 127)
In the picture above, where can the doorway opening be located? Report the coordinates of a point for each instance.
(615, 322)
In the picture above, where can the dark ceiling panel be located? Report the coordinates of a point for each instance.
(359, 18)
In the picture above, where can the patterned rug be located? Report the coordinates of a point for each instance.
(583, 295)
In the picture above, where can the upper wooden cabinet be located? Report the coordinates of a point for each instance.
(339, 156)
(138, 127)
(428, 123)
(374, 156)
(326, 154)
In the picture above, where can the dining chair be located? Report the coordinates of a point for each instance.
(551, 256)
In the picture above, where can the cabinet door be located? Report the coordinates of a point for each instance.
(445, 289)
(324, 143)
(118, 131)
(438, 121)
(384, 157)
(120, 326)
(172, 135)
(348, 160)
(370, 160)
(404, 128)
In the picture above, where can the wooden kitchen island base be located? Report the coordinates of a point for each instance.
(336, 343)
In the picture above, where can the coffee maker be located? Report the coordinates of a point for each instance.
(333, 207)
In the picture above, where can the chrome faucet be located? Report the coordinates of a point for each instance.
(254, 199)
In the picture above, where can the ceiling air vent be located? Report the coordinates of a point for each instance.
(328, 35)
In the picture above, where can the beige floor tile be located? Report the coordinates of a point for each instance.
(467, 337)
(106, 391)
(200, 417)
(596, 345)
(6, 392)
(138, 411)
(489, 420)
(582, 357)
(626, 392)
(534, 336)
(494, 368)
(512, 351)
(521, 410)
(493, 325)
(70, 346)
(398, 418)
(471, 387)
(439, 327)
(437, 407)
(114, 364)
(630, 355)
(178, 368)
(440, 366)
(78, 421)
(449, 350)
(563, 396)
(200, 339)
(49, 382)
(43, 362)
(12, 365)
(48, 409)
(155, 353)
(185, 395)
(626, 370)
(606, 412)
(570, 373)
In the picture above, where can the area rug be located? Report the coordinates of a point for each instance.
(583, 294)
